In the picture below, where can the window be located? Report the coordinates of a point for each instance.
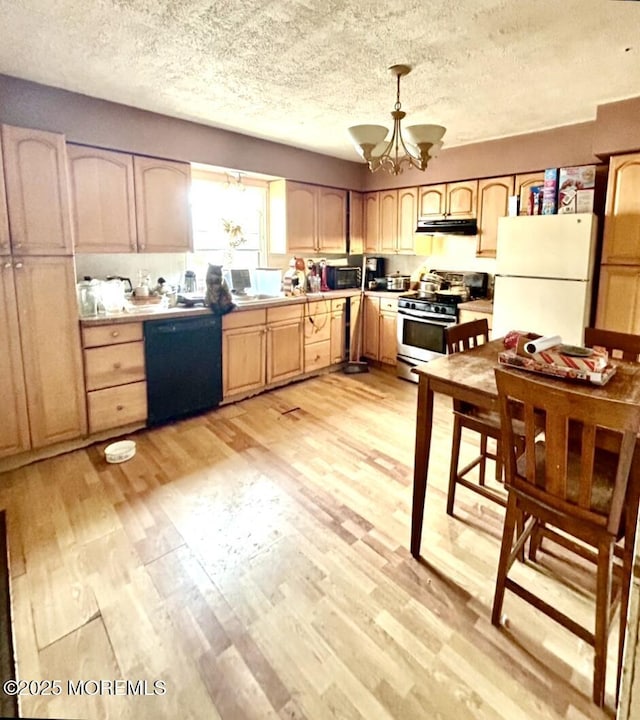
(240, 205)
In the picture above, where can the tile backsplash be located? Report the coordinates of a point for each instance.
(170, 266)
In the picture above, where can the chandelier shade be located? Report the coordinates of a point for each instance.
(423, 141)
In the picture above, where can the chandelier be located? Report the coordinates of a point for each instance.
(423, 141)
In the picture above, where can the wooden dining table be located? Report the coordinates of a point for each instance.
(469, 376)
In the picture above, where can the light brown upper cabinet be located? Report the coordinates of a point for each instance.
(398, 219)
(332, 220)
(163, 211)
(35, 170)
(523, 184)
(388, 209)
(372, 222)
(493, 203)
(356, 223)
(307, 219)
(621, 243)
(452, 200)
(103, 200)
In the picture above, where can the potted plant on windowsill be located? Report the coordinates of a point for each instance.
(235, 238)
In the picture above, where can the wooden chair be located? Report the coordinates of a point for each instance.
(459, 338)
(578, 489)
(621, 345)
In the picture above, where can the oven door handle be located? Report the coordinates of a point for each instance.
(421, 318)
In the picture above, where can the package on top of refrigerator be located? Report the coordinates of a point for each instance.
(576, 189)
(550, 191)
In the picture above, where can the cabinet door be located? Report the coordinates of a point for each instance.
(356, 223)
(371, 222)
(243, 360)
(407, 219)
(462, 199)
(285, 350)
(332, 220)
(50, 335)
(622, 219)
(388, 337)
(356, 327)
(523, 184)
(102, 200)
(619, 299)
(302, 232)
(35, 168)
(432, 201)
(388, 221)
(163, 211)
(371, 336)
(493, 203)
(14, 428)
(5, 244)
(338, 346)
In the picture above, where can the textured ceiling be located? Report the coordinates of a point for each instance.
(300, 72)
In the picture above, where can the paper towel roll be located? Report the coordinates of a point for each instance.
(542, 343)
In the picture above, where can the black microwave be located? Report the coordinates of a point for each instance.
(340, 277)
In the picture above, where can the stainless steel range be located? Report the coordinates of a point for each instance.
(423, 318)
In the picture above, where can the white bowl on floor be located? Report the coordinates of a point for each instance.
(120, 451)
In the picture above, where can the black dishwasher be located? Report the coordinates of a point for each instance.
(184, 366)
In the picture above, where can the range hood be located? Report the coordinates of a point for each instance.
(447, 226)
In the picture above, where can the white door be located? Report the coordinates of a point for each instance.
(547, 246)
(545, 307)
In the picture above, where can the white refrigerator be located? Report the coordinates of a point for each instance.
(544, 272)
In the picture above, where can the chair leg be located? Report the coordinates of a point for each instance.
(453, 466)
(503, 564)
(603, 602)
(498, 461)
(483, 461)
(536, 540)
(627, 565)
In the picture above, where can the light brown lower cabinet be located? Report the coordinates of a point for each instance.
(115, 375)
(260, 348)
(244, 352)
(619, 298)
(285, 344)
(317, 335)
(41, 368)
(338, 330)
(380, 329)
(469, 315)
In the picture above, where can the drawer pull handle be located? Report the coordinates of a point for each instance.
(119, 407)
(114, 333)
(117, 366)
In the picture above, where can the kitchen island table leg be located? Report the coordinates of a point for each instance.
(424, 421)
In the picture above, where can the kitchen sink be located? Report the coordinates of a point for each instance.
(247, 299)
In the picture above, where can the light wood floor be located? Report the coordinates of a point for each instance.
(255, 560)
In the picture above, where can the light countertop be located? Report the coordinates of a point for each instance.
(153, 312)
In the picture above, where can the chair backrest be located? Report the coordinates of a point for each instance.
(567, 473)
(621, 345)
(466, 335)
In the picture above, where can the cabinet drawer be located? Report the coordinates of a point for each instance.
(117, 406)
(317, 355)
(114, 365)
(110, 334)
(318, 330)
(390, 304)
(317, 307)
(243, 318)
(281, 314)
(338, 304)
